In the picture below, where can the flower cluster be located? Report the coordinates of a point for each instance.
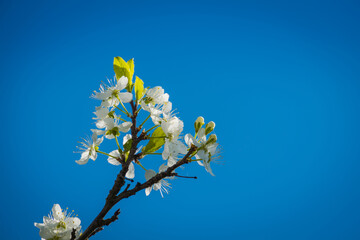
(166, 134)
(59, 225)
(122, 103)
(207, 148)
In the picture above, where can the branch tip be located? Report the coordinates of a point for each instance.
(177, 175)
(131, 180)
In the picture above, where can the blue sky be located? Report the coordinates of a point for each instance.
(280, 79)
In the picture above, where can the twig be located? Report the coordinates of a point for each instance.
(73, 234)
(127, 187)
(177, 175)
(129, 179)
(113, 218)
(169, 172)
(96, 231)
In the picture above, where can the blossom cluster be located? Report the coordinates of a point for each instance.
(164, 137)
(59, 225)
(111, 122)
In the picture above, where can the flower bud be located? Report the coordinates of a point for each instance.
(209, 127)
(212, 139)
(199, 123)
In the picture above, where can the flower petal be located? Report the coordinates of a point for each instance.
(131, 171)
(125, 97)
(57, 212)
(202, 135)
(84, 158)
(148, 190)
(112, 160)
(122, 83)
(126, 138)
(125, 127)
(149, 174)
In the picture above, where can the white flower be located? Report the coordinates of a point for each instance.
(172, 149)
(114, 161)
(166, 111)
(172, 128)
(206, 149)
(113, 127)
(161, 185)
(103, 113)
(58, 225)
(110, 94)
(89, 147)
(158, 110)
(206, 156)
(156, 95)
(157, 103)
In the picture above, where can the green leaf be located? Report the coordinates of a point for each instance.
(156, 142)
(127, 145)
(126, 156)
(131, 65)
(139, 88)
(122, 68)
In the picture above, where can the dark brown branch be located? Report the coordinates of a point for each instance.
(97, 224)
(114, 197)
(113, 218)
(127, 187)
(73, 234)
(168, 173)
(129, 179)
(96, 231)
(177, 175)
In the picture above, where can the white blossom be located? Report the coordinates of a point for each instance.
(111, 95)
(113, 127)
(172, 128)
(173, 147)
(206, 149)
(58, 225)
(115, 155)
(89, 147)
(161, 185)
(157, 103)
(103, 113)
(156, 95)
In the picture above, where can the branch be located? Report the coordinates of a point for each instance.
(98, 223)
(95, 231)
(73, 234)
(168, 173)
(115, 217)
(177, 175)
(113, 198)
(106, 222)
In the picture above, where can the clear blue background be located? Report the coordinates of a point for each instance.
(280, 79)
